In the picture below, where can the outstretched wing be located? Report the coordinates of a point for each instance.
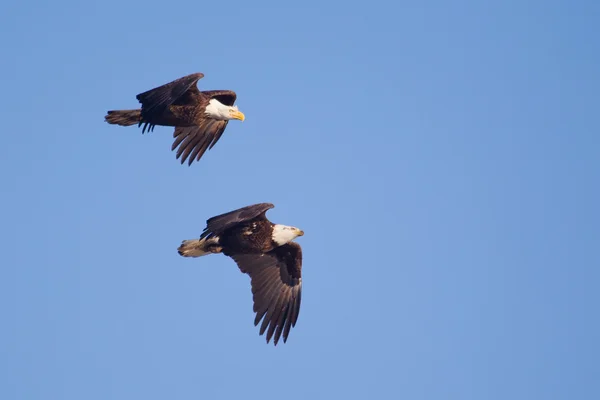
(180, 91)
(276, 279)
(226, 97)
(193, 141)
(215, 226)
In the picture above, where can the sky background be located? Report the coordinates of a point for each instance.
(441, 157)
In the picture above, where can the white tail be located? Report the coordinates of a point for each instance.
(199, 248)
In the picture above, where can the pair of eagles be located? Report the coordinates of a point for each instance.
(263, 250)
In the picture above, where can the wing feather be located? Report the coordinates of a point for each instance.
(276, 280)
(290, 320)
(216, 225)
(283, 318)
(262, 300)
(263, 297)
(193, 141)
(184, 145)
(272, 317)
(226, 97)
(155, 101)
(179, 135)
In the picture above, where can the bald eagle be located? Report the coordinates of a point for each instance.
(266, 253)
(199, 118)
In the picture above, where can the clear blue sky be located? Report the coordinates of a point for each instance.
(442, 158)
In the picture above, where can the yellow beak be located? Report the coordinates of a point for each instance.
(301, 233)
(238, 115)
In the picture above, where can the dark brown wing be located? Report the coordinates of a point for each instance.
(180, 91)
(215, 226)
(276, 279)
(226, 97)
(193, 141)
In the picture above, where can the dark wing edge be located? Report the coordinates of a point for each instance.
(155, 101)
(194, 141)
(226, 97)
(218, 224)
(276, 280)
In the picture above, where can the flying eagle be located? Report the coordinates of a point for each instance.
(266, 253)
(199, 118)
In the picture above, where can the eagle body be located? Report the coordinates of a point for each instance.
(267, 253)
(199, 117)
(254, 236)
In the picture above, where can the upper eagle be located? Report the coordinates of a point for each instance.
(199, 118)
(266, 253)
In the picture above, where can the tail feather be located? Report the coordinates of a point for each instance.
(124, 117)
(199, 247)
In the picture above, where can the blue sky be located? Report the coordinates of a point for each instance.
(441, 158)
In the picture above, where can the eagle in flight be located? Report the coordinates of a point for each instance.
(199, 117)
(266, 252)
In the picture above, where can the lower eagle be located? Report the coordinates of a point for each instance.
(267, 253)
(199, 118)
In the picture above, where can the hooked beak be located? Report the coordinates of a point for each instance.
(300, 232)
(238, 115)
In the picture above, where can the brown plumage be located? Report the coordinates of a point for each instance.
(276, 280)
(179, 104)
(275, 269)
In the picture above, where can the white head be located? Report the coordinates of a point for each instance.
(217, 110)
(283, 234)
